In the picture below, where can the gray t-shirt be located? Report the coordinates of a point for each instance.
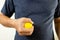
(40, 11)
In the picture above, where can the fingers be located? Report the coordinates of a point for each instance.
(27, 32)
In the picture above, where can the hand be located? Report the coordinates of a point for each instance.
(19, 26)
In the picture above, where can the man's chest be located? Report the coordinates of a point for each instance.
(35, 4)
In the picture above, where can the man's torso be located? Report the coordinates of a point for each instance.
(41, 12)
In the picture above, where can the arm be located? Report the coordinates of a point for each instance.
(6, 12)
(57, 19)
(57, 26)
(6, 21)
(17, 24)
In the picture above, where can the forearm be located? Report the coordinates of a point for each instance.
(4, 20)
(57, 26)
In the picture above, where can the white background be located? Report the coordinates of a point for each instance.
(6, 33)
(9, 33)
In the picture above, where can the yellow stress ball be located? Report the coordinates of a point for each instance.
(28, 25)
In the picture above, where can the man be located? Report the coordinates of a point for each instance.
(57, 19)
(38, 12)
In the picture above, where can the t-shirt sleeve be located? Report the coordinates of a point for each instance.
(8, 8)
(57, 11)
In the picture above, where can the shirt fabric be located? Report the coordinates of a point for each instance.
(57, 11)
(40, 11)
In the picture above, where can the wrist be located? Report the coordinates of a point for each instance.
(13, 23)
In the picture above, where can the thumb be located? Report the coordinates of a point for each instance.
(30, 20)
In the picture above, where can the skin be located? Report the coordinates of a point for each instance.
(18, 24)
(57, 26)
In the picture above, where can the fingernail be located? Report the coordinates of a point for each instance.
(32, 22)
